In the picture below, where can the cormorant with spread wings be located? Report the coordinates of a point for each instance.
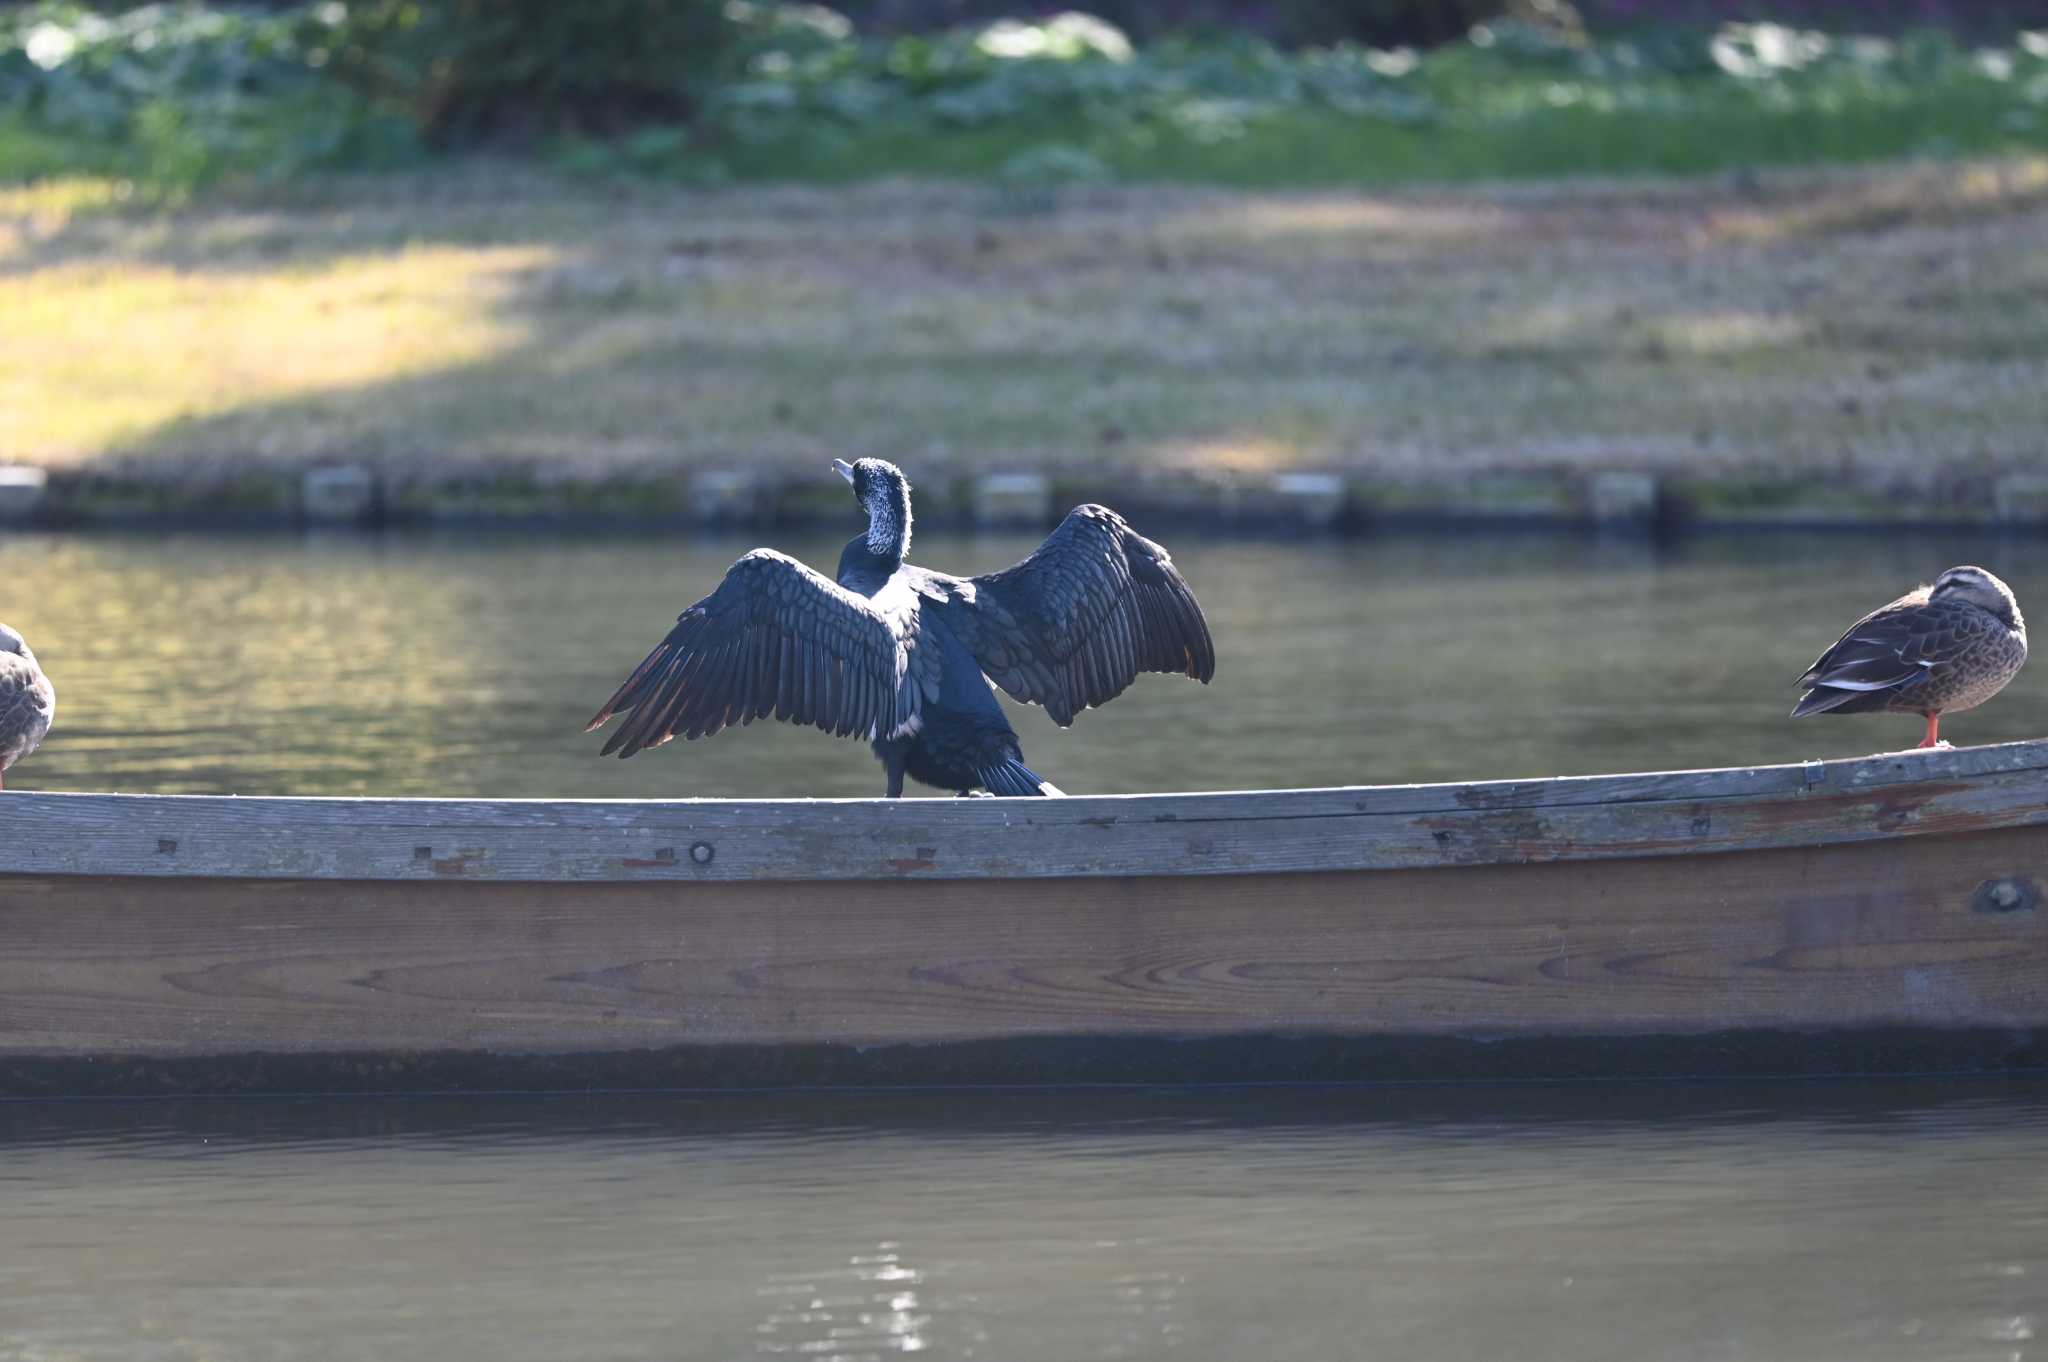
(903, 656)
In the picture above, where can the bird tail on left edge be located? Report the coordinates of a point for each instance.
(1016, 780)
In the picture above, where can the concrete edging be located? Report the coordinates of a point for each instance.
(1305, 501)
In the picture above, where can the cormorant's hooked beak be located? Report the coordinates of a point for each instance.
(843, 469)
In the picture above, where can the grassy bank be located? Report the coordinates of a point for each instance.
(1880, 334)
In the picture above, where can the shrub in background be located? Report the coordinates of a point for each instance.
(1382, 23)
(520, 68)
(1288, 23)
(703, 90)
(1987, 20)
(1515, 97)
(176, 94)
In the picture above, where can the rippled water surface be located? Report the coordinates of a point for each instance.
(463, 663)
(1585, 1224)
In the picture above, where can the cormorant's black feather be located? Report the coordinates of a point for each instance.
(1015, 780)
(713, 667)
(1074, 624)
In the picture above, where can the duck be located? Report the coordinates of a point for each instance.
(910, 658)
(28, 702)
(1940, 648)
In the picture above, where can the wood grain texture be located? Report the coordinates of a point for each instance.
(1901, 932)
(1255, 832)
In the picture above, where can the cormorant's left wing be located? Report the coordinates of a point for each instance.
(774, 638)
(1074, 624)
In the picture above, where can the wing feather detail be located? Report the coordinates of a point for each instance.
(775, 638)
(1895, 649)
(1071, 626)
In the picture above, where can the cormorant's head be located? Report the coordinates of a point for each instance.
(1975, 586)
(884, 493)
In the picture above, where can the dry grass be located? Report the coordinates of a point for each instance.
(1890, 323)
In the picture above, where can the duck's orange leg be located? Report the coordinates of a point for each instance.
(1933, 722)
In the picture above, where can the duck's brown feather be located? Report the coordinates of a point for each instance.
(1915, 655)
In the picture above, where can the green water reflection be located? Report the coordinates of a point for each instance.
(464, 663)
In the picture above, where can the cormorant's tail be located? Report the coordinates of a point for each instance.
(1015, 779)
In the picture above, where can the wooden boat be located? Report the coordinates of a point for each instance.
(1875, 915)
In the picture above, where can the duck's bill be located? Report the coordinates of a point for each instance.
(843, 469)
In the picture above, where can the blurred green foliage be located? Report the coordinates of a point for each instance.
(1511, 99)
(467, 69)
(706, 90)
(176, 94)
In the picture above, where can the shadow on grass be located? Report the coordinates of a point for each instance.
(491, 325)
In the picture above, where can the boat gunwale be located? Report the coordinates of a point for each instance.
(1559, 818)
(1907, 766)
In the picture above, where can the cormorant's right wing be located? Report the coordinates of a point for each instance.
(775, 637)
(1076, 622)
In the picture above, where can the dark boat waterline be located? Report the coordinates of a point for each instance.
(1056, 1064)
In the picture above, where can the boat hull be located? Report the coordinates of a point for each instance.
(1893, 954)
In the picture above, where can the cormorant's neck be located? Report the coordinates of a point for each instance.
(861, 571)
(888, 537)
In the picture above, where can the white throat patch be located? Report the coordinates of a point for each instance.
(884, 529)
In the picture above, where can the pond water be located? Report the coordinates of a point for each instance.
(463, 663)
(1811, 1222)
(1818, 1223)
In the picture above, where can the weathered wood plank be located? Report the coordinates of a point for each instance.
(1903, 932)
(1509, 823)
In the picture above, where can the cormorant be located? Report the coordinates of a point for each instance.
(903, 655)
(1949, 646)
(27, 700)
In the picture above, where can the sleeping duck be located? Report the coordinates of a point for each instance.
(1949, 646)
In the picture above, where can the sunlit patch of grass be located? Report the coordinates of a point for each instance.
(1351, 226)
(38, 210)
(1234, 453)
(1924, 195)
(1717, 333)
(51, 203)
(101, 353)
